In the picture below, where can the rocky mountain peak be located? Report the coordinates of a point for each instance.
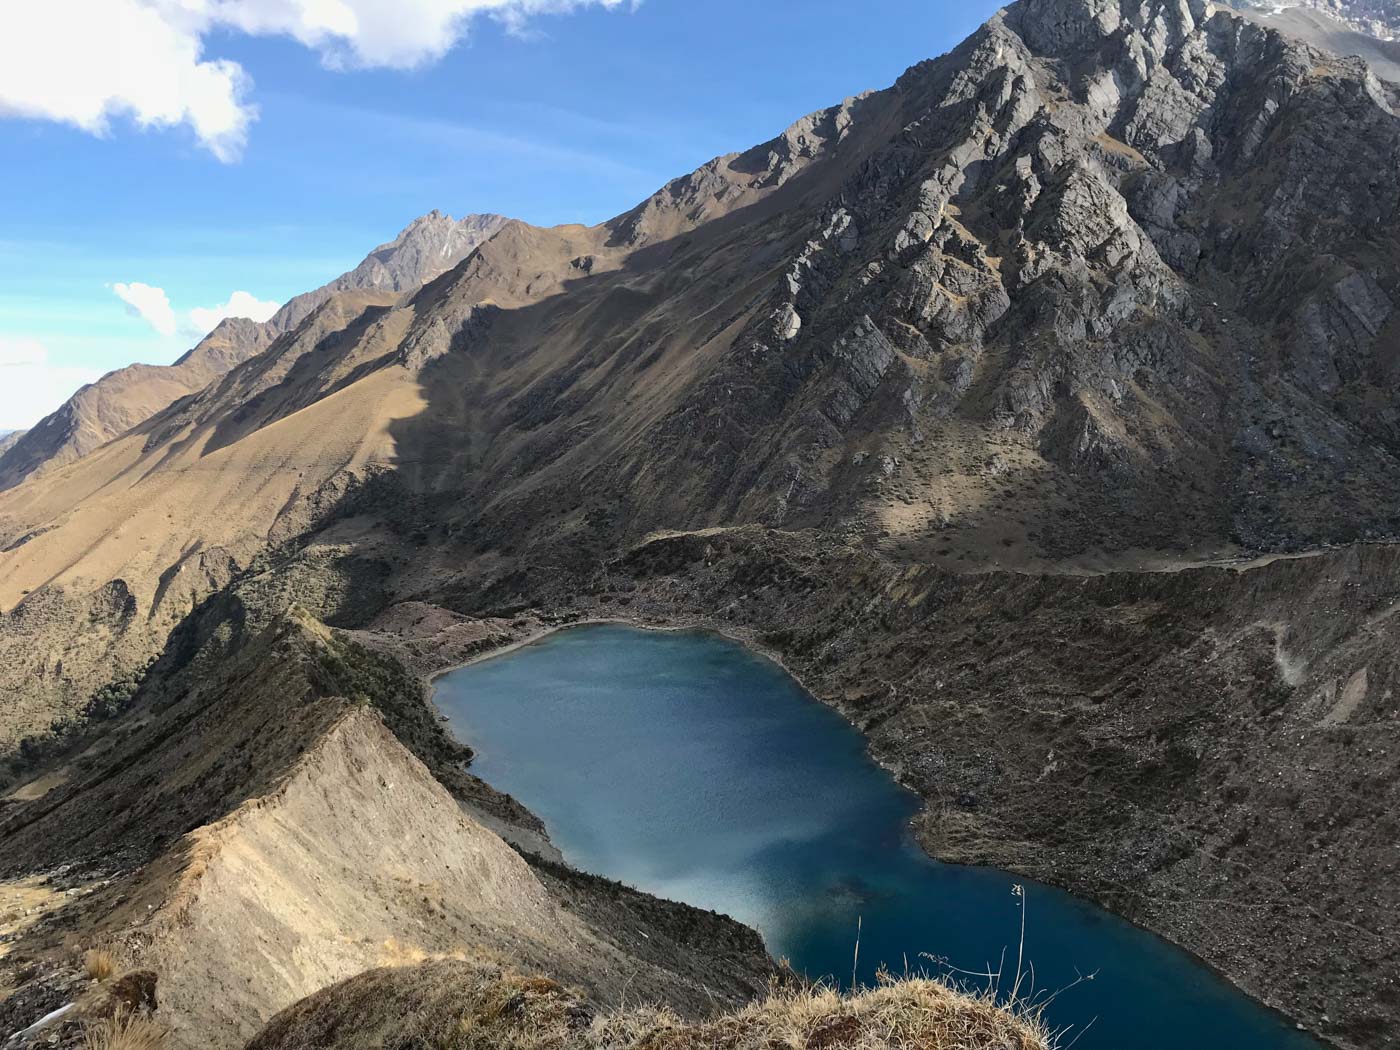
(1064, 27)
(428, 246)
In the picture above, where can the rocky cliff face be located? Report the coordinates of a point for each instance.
(1323, 26)
(1083, 286)
(120, 400)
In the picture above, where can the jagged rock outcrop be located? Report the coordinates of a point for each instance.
(1063, 217)
(428, 246)
(1369, 29)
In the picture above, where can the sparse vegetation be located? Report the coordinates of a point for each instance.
(124, 1031)
(459, 1005)
(99, 964)
(900, 1012)
(68, 731)
(366, 676)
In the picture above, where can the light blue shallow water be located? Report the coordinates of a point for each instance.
(691, 768)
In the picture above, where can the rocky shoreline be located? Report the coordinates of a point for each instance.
(1035, 765)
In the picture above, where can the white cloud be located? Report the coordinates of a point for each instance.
(30, 387)
(399, 34)
(82, 62)
(240, 304)
(149, 303)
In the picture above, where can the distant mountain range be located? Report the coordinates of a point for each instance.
(100, 411)
(1368, 28)
(1376, 18)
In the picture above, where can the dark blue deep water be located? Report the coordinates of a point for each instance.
(689, 767)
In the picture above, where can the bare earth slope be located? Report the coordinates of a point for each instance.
(259, 833)
(120, 400)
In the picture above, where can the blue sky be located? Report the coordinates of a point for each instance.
(545, 116)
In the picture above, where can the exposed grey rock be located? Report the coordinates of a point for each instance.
(862, 358)
(1101, 226)
(427, 247)
(442, 333)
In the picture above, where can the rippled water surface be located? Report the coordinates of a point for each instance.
(696, 770)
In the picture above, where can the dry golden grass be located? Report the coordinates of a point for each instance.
(124, 1032)
(914, 1012)
(99, 964)
(534, 1013)
(911, 1013)
(479, 1005)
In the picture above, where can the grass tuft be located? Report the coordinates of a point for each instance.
(915, 1013)
(124, 1032)
(477, 1004)
(99, 964)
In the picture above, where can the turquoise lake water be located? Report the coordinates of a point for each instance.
(685, 765)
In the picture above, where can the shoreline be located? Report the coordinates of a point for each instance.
(699, 625)
(746, 640)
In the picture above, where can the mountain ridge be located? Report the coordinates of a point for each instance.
(1319, 25)
(127, 396)
(862, 326)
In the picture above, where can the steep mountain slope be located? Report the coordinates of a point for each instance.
(1111, 285)
(168, 538)
(120, 400)
(204, 826)
(1091, 283)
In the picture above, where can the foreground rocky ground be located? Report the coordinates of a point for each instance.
(249, 836)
